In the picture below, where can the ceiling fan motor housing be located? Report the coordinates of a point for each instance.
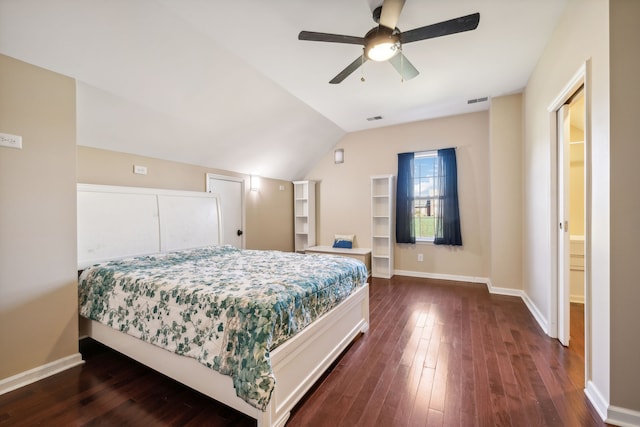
(381, 43)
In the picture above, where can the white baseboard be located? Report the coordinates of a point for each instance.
(611, 414)
(533, 309)
(504, 291)
(24, 378)
(456, 278)
(597, 399)
(577, 298)
(623, 417)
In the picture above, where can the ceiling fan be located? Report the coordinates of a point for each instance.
(384, 42)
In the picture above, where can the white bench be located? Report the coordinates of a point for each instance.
(362, 254)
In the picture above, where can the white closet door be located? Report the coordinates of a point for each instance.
(564, 167)
(231, 193)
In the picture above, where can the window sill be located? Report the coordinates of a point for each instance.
(424, 242)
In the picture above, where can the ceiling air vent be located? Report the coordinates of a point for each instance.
(374, 118)
(474, 101)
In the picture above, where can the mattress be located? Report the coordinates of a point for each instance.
(225, 307)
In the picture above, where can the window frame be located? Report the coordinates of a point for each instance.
(417, 197)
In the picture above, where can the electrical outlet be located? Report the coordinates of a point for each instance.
(11, 141)
(420, 257)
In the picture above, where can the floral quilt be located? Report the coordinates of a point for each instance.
(225, 307)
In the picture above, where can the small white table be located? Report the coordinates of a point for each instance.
(361, 254)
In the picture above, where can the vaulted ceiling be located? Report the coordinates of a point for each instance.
(228, 85)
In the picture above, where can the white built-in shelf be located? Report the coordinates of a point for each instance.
(382, 225)
(304, 200)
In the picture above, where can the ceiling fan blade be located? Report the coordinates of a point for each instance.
(350, 69)
(391, 12)
(333, 38)
(444, 28)
(403, 66)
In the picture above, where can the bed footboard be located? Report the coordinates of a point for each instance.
(297, 364)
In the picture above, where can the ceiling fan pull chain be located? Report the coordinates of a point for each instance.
(361, 66)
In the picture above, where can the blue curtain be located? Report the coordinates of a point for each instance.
(405, 231)
(447, 221)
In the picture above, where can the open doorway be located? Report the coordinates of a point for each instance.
(571, 211)
(570, 313)
(576, 218)
(574, 206)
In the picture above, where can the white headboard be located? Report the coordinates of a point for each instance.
(116, 222)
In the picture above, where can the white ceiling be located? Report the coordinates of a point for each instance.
(226, 84)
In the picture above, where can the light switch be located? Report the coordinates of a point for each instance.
(139, 170)
(11, 141)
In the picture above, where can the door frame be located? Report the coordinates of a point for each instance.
(581, 78)
(210, 176)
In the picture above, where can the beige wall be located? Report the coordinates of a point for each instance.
(343, 191)
(269, 211)
(38, 288)
(505, 163)
(625, 203)
(270, 216)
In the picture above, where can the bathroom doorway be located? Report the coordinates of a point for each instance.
(570, 216)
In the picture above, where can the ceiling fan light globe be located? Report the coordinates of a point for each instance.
(381, 43)
(381, 51)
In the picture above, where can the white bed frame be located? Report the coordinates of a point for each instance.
(115, 222)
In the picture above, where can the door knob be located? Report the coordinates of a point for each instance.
(239, 232)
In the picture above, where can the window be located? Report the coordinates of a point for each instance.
(427, 198)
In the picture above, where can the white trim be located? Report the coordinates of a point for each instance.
(597, 399)
(438, 276)
(570, 88)
(536, 313)
(458, 278)
(504, 291)
(588, 164)
(36, 374)
(623, 417)
(577, 299)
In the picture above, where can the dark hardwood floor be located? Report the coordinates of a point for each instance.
(437, 354)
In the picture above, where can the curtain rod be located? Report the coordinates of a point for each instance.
(425, 150)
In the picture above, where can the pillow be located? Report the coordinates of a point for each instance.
(344, 241)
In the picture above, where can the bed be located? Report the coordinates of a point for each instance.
(129, 236)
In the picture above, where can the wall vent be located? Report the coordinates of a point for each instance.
(474, 101)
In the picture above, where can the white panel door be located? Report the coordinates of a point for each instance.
(564, 123)
(231, 193)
